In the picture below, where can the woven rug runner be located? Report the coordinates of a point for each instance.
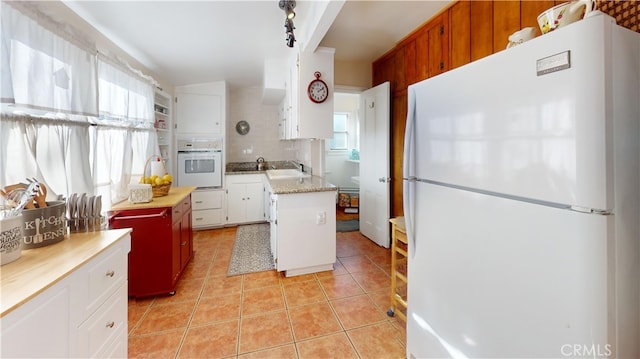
(350, 225)
(251, 250)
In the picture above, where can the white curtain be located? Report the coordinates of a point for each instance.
(55, 153)
(124, 96)
(77, 126)
(41, 68)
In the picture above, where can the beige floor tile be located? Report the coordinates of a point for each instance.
(372, 280)
(262, 300)
(221, 308)
(222, 285)
(264, 331)
(283, 352)
(160, 345)
(357, 311)
(261, 279)
(340, 286)
(303, 293)
(211, 341)
(165, 317)
(313, 320)
(375, 341)
(359, 263)
(332, 346)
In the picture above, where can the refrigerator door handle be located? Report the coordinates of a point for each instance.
(408, 174)
(603, 212)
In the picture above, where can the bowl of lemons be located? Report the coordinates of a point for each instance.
(160, 185)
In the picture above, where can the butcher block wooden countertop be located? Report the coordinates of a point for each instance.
(175, 196)
(40, 268)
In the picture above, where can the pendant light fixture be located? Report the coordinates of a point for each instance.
(287, 6)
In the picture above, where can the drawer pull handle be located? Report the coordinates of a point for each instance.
(198, 201)
(199, 218)
(111, 324)
(110, 273)
(184, 243)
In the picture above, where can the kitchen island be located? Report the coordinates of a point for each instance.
(55, 300)
(302, 224)
(161, 241)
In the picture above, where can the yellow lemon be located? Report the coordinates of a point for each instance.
(167, 178)
(159, 181)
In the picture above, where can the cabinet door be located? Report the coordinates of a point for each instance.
(236, 203)
(460, 39)
(506, 21)
(41, 328)
(481, 29)
(186, 242)
(199, 113)
(254, 200)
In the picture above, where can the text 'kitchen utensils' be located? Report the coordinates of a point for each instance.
(84, 213)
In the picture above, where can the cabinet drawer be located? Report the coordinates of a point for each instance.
(99, 332)
(207, 218)
(105, 276)
(207, 199)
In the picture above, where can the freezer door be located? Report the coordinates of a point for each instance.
(498, 125)
(495, 278)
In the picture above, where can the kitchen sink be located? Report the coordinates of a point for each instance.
(286, 173)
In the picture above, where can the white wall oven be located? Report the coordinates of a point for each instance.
(200, 162)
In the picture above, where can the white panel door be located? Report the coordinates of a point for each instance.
(375, 172)
(497, 278)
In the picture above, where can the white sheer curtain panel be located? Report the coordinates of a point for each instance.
(41, 68)
(112, 162)
(124, 96)
(55, 153)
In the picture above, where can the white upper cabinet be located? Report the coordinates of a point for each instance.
(304, 118)
(201, 109)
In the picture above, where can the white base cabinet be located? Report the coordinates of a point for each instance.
(304, 232)
(245, 198)
(208, 208)
(83, 315)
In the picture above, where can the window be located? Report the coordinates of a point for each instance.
(340, 140)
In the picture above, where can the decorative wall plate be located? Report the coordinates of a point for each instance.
(242, 127)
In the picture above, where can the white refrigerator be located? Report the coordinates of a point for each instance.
(521, 200)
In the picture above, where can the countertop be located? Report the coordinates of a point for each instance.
(300, 185)
(40, 268)
(175, 196)
(283, 185)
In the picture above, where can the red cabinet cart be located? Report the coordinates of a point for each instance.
(161, 246)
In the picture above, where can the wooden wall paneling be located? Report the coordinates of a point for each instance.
(398, 71)
(410, 69)
(422, 54)
(506, 21)
(398, 123)
(481, 28)
(460, 34)
(438, 46)
(529, 11)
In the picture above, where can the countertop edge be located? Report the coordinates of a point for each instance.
(63, 266)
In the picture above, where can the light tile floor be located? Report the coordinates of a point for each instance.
(334, 314)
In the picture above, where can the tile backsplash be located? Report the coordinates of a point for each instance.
(262, 140)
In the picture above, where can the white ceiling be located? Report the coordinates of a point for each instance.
(189, 42)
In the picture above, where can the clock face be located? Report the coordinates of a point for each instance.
(318, 91)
